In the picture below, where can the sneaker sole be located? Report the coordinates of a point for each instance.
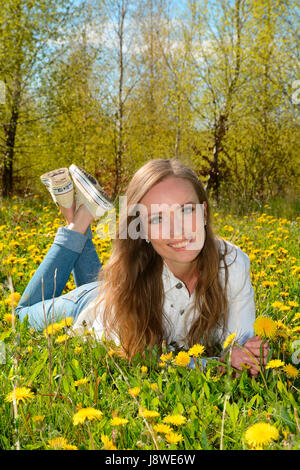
(49, 180)
(98, 195)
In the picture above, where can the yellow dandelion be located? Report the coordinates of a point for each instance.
(277, 304)
(77, 349)
(173, 437)
(292, 303)
(86, 414)
(116, 421)
(8, 318)
(66, 322)
(52, 329)
(81, 381)
(38, 418)
(60, 443)
(13, 299)
(148, 413)
(274, 364)
(176, 420)
(166, 357)
(62, 339)
(229, 340)
(265, 326)
(144, 369)
(108, 444)
(196, 350)
(21, 394)
(154, 387)
(134, 391)
(260, 434)
(182, 359)
(163, 428)
(291, 371)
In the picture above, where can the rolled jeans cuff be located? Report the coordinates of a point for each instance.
(71, 239)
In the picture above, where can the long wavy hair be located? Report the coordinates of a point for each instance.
(131, 280)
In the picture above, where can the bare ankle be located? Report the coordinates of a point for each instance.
(81, 221)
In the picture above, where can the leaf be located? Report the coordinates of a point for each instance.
(39, 366)
(65, 384)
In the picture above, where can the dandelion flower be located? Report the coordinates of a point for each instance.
(260, 434)
(177, 420)
(173, 437)
(182, 359)
(148, 413)
(154, 387)
(52, 329)
(108, 444)
(116, 421)
(291, 371)
(196, 350)
(166, 357)
(86, 413)
(62, 339)
(21, 394)
(229, 340)
(38, 418)
(163, 428)
(8, 317)
(77, 349)
(13, 299)
(60, 443)
(66, 322)
(265, 326)
(144, 369)
(134, 391)
(81, 381)
(274, 364)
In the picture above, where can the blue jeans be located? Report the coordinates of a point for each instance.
(42, 301)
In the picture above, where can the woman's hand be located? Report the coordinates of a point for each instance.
(253, 346)
(248, 356)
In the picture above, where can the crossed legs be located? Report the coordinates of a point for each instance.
(72, 251)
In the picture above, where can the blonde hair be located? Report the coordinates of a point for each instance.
(132, 286)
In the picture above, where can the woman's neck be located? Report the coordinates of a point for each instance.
(186, 273)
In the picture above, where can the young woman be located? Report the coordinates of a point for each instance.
(169, 277)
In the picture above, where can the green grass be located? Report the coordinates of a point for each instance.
(218, 408)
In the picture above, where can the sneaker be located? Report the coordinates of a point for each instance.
(90, 193)
(60, 186)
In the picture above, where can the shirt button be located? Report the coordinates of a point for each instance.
(179, 285)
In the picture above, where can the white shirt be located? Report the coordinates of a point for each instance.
(178, 304)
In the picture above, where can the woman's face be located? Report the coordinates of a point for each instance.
(174, 220)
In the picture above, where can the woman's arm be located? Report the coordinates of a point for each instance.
(241, 318)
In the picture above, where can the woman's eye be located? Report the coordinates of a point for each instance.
(188, 209)
(155, 220)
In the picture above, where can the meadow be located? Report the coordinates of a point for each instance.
(62, 391)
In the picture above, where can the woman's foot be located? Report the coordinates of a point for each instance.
(89, 193)
(59, 184)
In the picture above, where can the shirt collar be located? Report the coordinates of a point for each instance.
(169, 280)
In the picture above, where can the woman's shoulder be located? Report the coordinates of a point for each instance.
(238, 264)
(232, 254)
